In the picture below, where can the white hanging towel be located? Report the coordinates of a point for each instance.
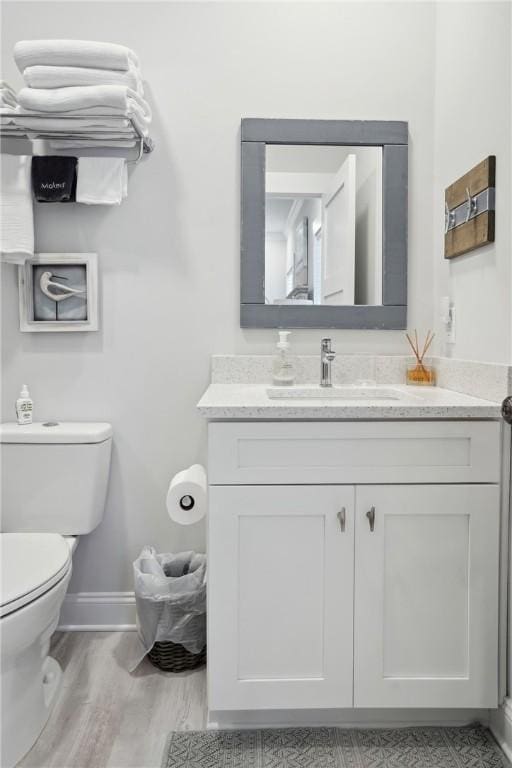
(41, 76)
(73, 53)
(101, 180)
(16, 210)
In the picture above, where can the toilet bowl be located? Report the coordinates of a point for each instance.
(36, 568)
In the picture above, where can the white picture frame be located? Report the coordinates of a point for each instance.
(30, 324)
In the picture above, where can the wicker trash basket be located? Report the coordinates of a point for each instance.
(170, 595)
(173, 657)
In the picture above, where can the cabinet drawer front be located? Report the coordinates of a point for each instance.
(354, 452)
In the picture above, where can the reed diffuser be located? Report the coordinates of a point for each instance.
(420, 374)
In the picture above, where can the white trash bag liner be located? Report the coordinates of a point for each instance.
(170, 593)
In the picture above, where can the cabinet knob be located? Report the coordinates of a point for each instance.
(371, 518)
(506, 409)
(342, 518)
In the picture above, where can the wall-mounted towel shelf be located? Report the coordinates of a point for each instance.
(143, 144)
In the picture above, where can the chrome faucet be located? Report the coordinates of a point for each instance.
(327, 356)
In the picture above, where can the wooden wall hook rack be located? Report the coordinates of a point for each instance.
(470, 210)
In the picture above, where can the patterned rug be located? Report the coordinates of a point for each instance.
(468, 747)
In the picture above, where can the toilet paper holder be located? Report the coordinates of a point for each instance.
(187, 502)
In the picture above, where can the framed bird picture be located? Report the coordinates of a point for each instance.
(59, 292)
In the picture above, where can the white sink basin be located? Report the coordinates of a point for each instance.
(337, 393)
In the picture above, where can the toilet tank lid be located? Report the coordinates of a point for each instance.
(71, 432)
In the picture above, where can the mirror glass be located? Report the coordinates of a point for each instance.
(323, 225)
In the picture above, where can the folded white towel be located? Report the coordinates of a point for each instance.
(41, 76)
(4, 86)
(99, 114)
(118, 97)
(71, 125)
(98, 136)
(67, 126)
(8, 98)
(101, 180)
(83, 143)
(96, 112)
(16, 210)
(73, 53)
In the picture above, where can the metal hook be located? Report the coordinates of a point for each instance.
(472, 204)
(141, 152)
(449, 218)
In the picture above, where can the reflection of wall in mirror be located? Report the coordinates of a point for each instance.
(275, 267)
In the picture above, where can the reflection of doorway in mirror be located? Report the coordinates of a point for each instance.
(339, 241)
(317, 262)
(338, 189)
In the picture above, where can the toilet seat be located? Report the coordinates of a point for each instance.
(32, 563)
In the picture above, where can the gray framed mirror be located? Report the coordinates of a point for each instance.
(324, 224)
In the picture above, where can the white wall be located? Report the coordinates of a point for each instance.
(473, 120)
(473, 89)
(169, 256)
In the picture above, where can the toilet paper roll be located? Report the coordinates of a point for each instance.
(186, 497)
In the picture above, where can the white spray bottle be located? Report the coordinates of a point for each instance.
(24, 406)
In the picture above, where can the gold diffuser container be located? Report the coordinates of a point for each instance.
(420, 374)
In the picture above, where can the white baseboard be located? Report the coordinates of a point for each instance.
(500, 723)
(98, 611)
(345, 718)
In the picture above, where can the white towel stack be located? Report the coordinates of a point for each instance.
(82, 85)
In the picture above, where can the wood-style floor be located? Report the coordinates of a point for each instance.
(105, 717)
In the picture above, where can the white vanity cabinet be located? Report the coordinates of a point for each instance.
(353, 564)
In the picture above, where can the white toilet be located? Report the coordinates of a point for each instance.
(54, 485)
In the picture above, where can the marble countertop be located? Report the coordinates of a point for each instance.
(243, 401)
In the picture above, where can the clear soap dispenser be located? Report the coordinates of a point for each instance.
(283, 367)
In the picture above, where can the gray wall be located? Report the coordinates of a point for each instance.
(169, 256)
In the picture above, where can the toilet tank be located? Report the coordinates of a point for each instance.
(54, 476)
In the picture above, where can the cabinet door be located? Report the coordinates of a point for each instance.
(280, 586)
(426, 596)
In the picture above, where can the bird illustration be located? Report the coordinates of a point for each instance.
(46, 281)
